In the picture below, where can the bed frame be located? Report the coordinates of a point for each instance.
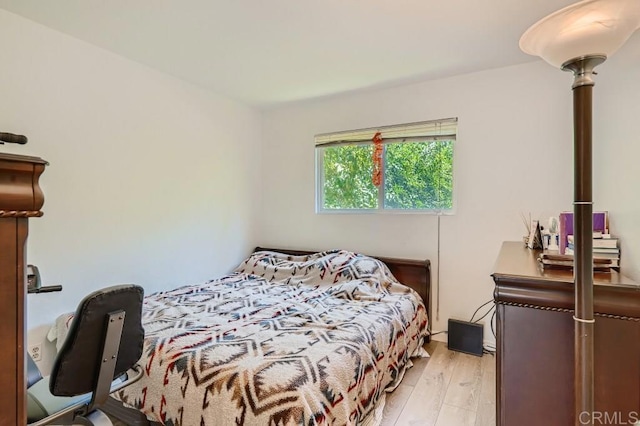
(412, 273)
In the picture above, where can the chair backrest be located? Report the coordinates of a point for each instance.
(75, 369)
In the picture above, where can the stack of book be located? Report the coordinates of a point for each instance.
(600, 225)
(604, 248)
(606, 252)
(566, 261)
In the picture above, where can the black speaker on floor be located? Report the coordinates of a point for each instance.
(465, 337)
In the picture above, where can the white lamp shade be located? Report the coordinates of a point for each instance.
(589, 27)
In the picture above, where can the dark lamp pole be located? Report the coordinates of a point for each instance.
(582, 69)
(578, 38)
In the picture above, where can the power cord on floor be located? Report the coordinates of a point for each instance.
(486, 313)
(493, 330)
(438, 332)
(488, 349)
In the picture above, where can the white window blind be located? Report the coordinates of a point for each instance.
(444, 129)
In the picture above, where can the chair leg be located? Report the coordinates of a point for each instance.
(98, 418)
(128, 416)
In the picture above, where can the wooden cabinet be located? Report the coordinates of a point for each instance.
(20, 199)
(535, 338)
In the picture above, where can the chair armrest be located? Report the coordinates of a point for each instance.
(33, 372)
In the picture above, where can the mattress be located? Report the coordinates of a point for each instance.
(282, 340)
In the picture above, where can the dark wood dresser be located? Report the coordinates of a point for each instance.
(20, 199)
(535, 328)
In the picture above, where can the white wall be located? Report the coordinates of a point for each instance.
(616, 139)
(150, 179)
(513, 155)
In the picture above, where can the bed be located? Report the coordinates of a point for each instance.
(289, 338)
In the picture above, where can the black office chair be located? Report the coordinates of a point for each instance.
(104, 342)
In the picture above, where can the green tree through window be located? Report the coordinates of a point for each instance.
(347, 178)
(417, 174)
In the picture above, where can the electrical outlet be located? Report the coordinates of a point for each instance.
(35, 352)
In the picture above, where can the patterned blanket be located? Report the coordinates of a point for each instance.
(284, 340)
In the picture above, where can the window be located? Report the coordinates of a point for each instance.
(415, 164)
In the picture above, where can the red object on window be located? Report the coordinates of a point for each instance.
(376, 178)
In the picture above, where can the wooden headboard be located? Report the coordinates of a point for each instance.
(412, 273)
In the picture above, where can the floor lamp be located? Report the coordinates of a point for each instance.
(578, 38)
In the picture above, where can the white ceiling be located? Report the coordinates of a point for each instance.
(267, 52)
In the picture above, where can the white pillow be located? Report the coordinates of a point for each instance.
(59, 329)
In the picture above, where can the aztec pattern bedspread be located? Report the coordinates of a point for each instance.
(284, 340)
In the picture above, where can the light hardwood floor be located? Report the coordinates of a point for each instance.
(448, 389)
(451, 389)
